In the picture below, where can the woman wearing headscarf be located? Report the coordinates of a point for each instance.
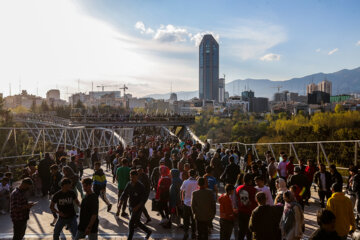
(292, 220)
(281, 189)
(76, 185)
(163, 195)
(175, 199)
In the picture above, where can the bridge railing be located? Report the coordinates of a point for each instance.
(308, 148)
(17, 144)
(131, 119)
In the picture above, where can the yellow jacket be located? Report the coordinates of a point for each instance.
(341, 206)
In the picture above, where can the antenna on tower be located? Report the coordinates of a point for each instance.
(9, 89)
(79, 85)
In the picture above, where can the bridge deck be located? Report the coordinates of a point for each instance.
(111, 227)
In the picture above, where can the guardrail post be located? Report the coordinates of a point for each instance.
(254, 150)
(290, 150)
(295, 153)
(65, 135)
(272, 151)
(326, 158)
(356, 153)
(7, 139)
(318, 153)
(44, 142)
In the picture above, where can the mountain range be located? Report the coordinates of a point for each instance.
(343, 82)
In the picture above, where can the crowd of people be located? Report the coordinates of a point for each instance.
(258, 199)
(131, 117)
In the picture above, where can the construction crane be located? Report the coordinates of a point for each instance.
(104, 86)
(278, 87)
(124, 88)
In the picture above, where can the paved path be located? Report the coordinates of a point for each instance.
(112, 227)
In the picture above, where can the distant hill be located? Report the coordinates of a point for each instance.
(343, 82)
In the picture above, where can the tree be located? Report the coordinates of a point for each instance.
(339, 108)
(79, 104)
(44, 107)
(33, 106)
(4, 113)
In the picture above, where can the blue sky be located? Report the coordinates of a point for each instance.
(151, 44)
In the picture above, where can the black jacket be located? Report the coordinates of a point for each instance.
(300, 180)
(230, 173)
(336, 178)
(327, 180)
(44, 168)
(322, 235)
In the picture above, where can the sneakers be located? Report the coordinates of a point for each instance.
(109, 207)
(124, 214)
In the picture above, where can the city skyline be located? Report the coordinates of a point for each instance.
(149, 46)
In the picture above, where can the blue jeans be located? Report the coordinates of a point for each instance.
(81, 235)
(61, 222)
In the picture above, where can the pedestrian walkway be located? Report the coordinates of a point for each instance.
(112, 227)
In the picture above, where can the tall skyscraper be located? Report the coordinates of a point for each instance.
(209, 68)
(325, 86)
(311, 88)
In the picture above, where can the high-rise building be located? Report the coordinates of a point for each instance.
(247, 95)
(325, 86)
(222, 90)
(173, 97)
(53, 94)
(209, 68)
(311, 88)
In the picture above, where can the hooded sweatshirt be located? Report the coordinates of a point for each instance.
(175, 188)
(162, 191)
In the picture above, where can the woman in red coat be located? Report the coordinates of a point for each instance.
(163, 195)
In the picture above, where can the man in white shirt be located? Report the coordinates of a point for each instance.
(187, 188)
(282, 168)
(260, 186)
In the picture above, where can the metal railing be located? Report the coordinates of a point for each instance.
(320, 149)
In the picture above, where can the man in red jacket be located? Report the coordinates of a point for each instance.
(227, 213)
(246, 204)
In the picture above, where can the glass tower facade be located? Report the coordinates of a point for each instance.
(209, 68)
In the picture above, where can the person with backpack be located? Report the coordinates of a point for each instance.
(99, 184)
(292, 220)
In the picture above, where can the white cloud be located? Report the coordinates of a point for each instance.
(358, 43)
(170, 33)
(318, 50)
(54, 50)
(140, 25)
(198, 37)
(333, 51)
(270, 57)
